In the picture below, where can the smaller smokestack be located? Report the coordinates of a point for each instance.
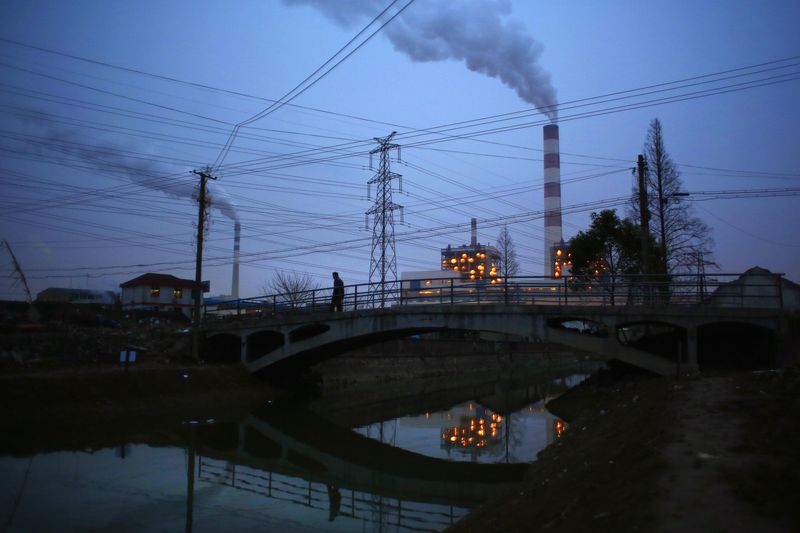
(474, 239)
(237, 229)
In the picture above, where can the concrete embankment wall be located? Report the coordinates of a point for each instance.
(435, 356)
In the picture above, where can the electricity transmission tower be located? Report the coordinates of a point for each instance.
(383, 261)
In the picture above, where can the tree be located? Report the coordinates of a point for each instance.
(609, 245)
(290, 287)
(679, 234)
(508, 254)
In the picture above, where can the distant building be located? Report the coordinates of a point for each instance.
(76, 296)
(158, 293)
(463, 270)
(758, 288)
(474, 262)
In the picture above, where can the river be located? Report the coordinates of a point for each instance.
(339, 462)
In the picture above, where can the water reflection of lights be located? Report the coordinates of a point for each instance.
(559, 426)
(473, 433)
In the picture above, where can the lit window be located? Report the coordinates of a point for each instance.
(177, 293)
(155, 292)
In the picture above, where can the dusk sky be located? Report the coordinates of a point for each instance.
(107, 107)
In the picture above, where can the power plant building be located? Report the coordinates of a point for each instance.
(475, 261)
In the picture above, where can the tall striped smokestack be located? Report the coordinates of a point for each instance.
(237, 229)
(552, 195)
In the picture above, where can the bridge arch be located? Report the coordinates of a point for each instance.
(735, 345)
(263, 342)
(307, 331)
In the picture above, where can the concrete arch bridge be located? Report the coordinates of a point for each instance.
(280, 341)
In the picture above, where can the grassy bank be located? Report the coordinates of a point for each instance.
(615, 468)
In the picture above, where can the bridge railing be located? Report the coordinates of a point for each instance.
(761, 290)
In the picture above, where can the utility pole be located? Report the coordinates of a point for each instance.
(383, 260)
(197, 293)
(644, 213)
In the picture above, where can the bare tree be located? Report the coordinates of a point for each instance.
(508, 254)
(679, 234)
(290, 287)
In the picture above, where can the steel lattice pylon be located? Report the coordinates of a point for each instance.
(383, 261)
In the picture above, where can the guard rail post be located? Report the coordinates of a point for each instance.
(451, 292)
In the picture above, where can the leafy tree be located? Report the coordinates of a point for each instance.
(508, 254)
(290, 287)
(610, 248)
(679, 234)
(609, 245)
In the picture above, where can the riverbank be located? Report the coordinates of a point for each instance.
(717, 453)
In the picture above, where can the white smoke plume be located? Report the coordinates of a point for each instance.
(476, 32)
(139, 168)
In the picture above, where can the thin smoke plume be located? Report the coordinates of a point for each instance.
(473, 31)
(140, 170)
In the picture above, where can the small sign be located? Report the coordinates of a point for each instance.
(123, 451)
(127, 357)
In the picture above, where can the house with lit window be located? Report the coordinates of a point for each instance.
(161, 294)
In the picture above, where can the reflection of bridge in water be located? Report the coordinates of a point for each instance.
(294, 455)
(335, 501)
(297, 443)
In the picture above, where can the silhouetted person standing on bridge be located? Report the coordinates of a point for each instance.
(338, 293)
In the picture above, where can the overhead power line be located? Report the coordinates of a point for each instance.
(312, 79)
